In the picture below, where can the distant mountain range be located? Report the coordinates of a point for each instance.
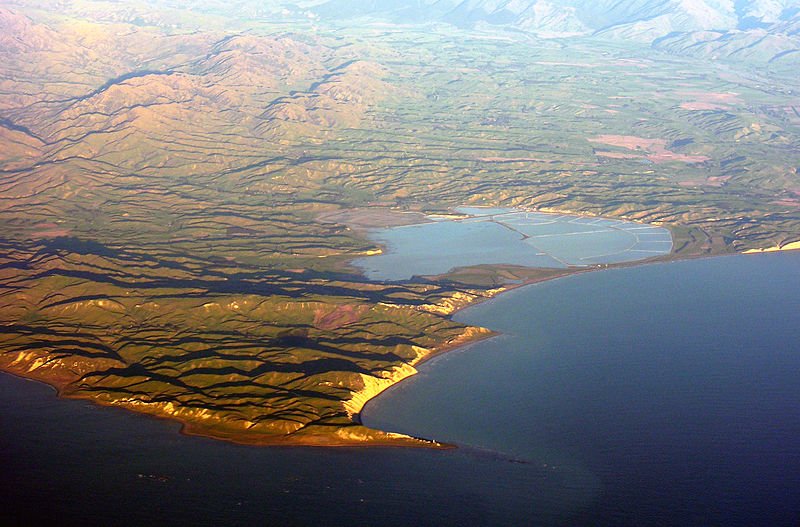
(754, 31)
(757, 30)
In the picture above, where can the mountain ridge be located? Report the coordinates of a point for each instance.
(642, 21)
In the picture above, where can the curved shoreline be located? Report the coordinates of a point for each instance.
(358, 435)
(353, 436)
(664, 260)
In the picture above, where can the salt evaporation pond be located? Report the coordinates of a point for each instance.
(510, 236)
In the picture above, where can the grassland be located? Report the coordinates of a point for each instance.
(167, 195)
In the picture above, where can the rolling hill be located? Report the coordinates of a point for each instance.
(184, 189)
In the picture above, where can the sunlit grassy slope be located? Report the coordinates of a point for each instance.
(161, 191)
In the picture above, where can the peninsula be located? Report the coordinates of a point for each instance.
(190, 197)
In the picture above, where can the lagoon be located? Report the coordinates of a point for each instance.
(510, 236)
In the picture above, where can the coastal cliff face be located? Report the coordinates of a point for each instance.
(373, 385)
(184, 189)
(254, 369)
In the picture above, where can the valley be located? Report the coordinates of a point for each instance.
(164, 182)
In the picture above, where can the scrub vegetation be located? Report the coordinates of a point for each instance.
(178, 190)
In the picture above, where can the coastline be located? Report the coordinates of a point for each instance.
(186, 428)
(356, 434)
(662, 260)
(352, 436)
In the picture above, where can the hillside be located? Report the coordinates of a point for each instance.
(183, 194)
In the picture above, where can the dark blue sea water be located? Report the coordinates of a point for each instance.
(656, 395)
(675, 388)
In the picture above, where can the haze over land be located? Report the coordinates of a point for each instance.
(169, 175)
(757, 31)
